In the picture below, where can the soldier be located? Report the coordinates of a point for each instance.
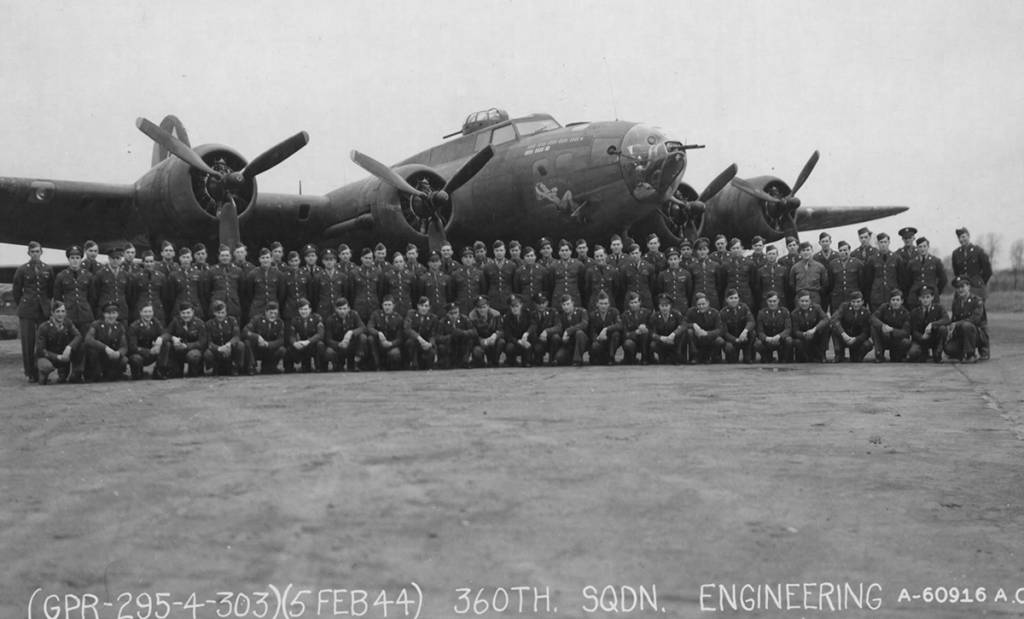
(222, 283)
(344, 338)
(480, 254)
(884, 271)
(265, 284)
(199, 257)
(909, 251)
(167, 264)
(420, 335)
(107, 346)
(582, 252)
(309, 260)
(149, 287)
(531, 278)
(792, 253)
(686, 257)
(705, 331)
(412, 261)
(304, 335)
(721, 249)
(515, 252)
(616, 256)
(384, 334)
(185, 284)
(366, 284)
(277, 254)
(401, 281)
(185, 344)
(91, 262)
(487, 339)
(737, 328)
(810, 326)
(739, 273)
(600, 277)
(298, 284)
(845, 275)
(866, 250)
(380, 257)
(570, 332)
(448, 263)
(707, 274)
(567, 274)
(497, 280)
(241, 259)
(516, 326)
(58, 347)
(603, 331)
(110, 285)
(890, 328)
(967, 320)
(264, 339)
(545, 259)
(545, 324)
(809, 275)
(824, 256)
(851, 329)
(925, 269)
(654, 255)
(33, 289)
(636, 336)
(129, 263)
(456, 337)
(145, 342)
(770, 276)
(637, 276)
(676, 282)
(668, 333)
(972, 262)
(773, 330)
(467, 282)
(435, 284)
(225, 353)
(73, 287)
(928, 324)
(331, 284)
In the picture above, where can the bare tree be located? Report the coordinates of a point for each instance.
(990, 243)
(1017, 260)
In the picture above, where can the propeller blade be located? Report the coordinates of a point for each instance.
(719, 183)
(469, 169)
(435, 233)
(754, 191)
(228, 224)
(384, 173)
(174, 146)
(808, 168)
(275, 155)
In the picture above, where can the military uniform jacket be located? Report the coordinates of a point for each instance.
(33, 288)
(630, 321)
(719, 255)
(142, 335)
(928, 270)
(921, 317)
(102, 333)
(772, 276)
(735, 320)
(191, 333)
(845, 276)
(270, 330)
(678, 284)
(467, 282)
(882, 273)
(898, 319)
(808, 275)
(824, 259)
(298, 284)
(366, 282)
(309, 328)
(498, 283)
(771, 322)
(185, 285)
(52, 339)
(222, 284)
(420, 325)
(74, 288)
(600, 278)
(973, 263)
(531, 279)
(167, 268)
(864, 254)
(220, 332)
(597, 322)
(710, 320)
(514, 327)
(91, 265)
(461, 327)
(664, 325)
(567, 278)
(789, 260)
(739, 273)
(657, 260)
(436, 286)
(707, 278)
(807, 319)
(111, 287)
(758, 260)
(400, 284)
(336, 326)
(486, 323)
(329, 287)
(545, 319)
(391, 325)
(263, 286)
(570, 323)
(149, 288)
(855, 323)
(971, 309)
(637, 277)
(906, 253)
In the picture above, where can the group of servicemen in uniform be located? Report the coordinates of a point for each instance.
(320, 310)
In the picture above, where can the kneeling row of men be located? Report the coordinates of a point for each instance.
(421, 340)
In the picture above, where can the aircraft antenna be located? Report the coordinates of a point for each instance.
(300, 186)
(611, 88)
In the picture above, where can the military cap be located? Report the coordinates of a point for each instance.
(907, 232)
(882, 236)
(538, 297)
(74, 250)
(165, 245)
(791, 239)
(806, 245)
(302, 302)
(33, 245)
(56, 305)
(265, 251)
(328, 254)
(366, 252)
(423, 301)
(960, 280)
(272, 305)
(308, 249)
(757, 239)
(768, 248)
(803, 292)
(379, 247)
(733, 242)
(198, 247)
(292, 254)
(672, 252)
(960, 231)
(343, 247)
(895, 292)
(721, 236)
(410, 247)
(685, 243)
(341, 302)
(823, 236)
(731, 291)
(514, 243)
(599, 247)
(445, 244)
(497, 244)
(451, 307)
(435, 256)
(632, 248)
(856, 294)
(116, 252)
(564, 243)
(91, 244)
(397, 255)
(388, 297)
(223, 248)
(148, 254)
(843, 244)
(544, 241)
(240, 245)
(478, 245)
(696, 297)
(581, 242)
(770, 294)
(863, 231)
(515, 299)
(926, 289)
(276, 245)
(480, 300)
(701, 243)
(112, 307)
(921, 241)
(616, 237)
(664, 298)
(467, 251)
(184, 249)
(652, 236)
(565, 298)
(216, 306)
(528, 250)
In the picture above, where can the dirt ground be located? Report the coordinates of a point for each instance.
(663, 480)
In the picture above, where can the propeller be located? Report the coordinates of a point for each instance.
(779, 207)
(688, 213)
(222, 183)
(426, 203)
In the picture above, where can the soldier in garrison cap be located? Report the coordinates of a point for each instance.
(636, 335)
(384, 334)
(707, 274)
(603, 331)
(366, 286)
(545, 258)
(824, 256)
(436, 285)
(544, 325)
(890, 328)
(57, 347)
(264, 339)
(774, 327)
(809, 275)
(304, 335)
(488, 340)
(145, 343)
(865, 250)
(149, 286)
(199, 256)
(421, 326)
(967, 321)
(810, 326)
(456, 337)
(110, 285)
(571, 332)
(516, 327)
(737, 328)
(928, 324)
(705, 331)
(345, 338)
(739, 273)
(225, 353)
(330, 284)
(771, 275)
(721, 251)
(676, 281)
(846, 275)
(497, 278)
(167, 264)
(264, 284)
(668, 333)
(90, 262)
(757, 255)
(567, 275)
(851, 329)
(186, 341)
(223, 282)
(925, 269)
(884, 271)
(616, 250)
(972, 262)
(107, 346)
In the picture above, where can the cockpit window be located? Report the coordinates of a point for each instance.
(529, 127)
(503, 134)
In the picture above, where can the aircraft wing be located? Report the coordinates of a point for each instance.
(823, 217)
(63, 213)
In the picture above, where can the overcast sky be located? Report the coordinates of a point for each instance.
(913, 103)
